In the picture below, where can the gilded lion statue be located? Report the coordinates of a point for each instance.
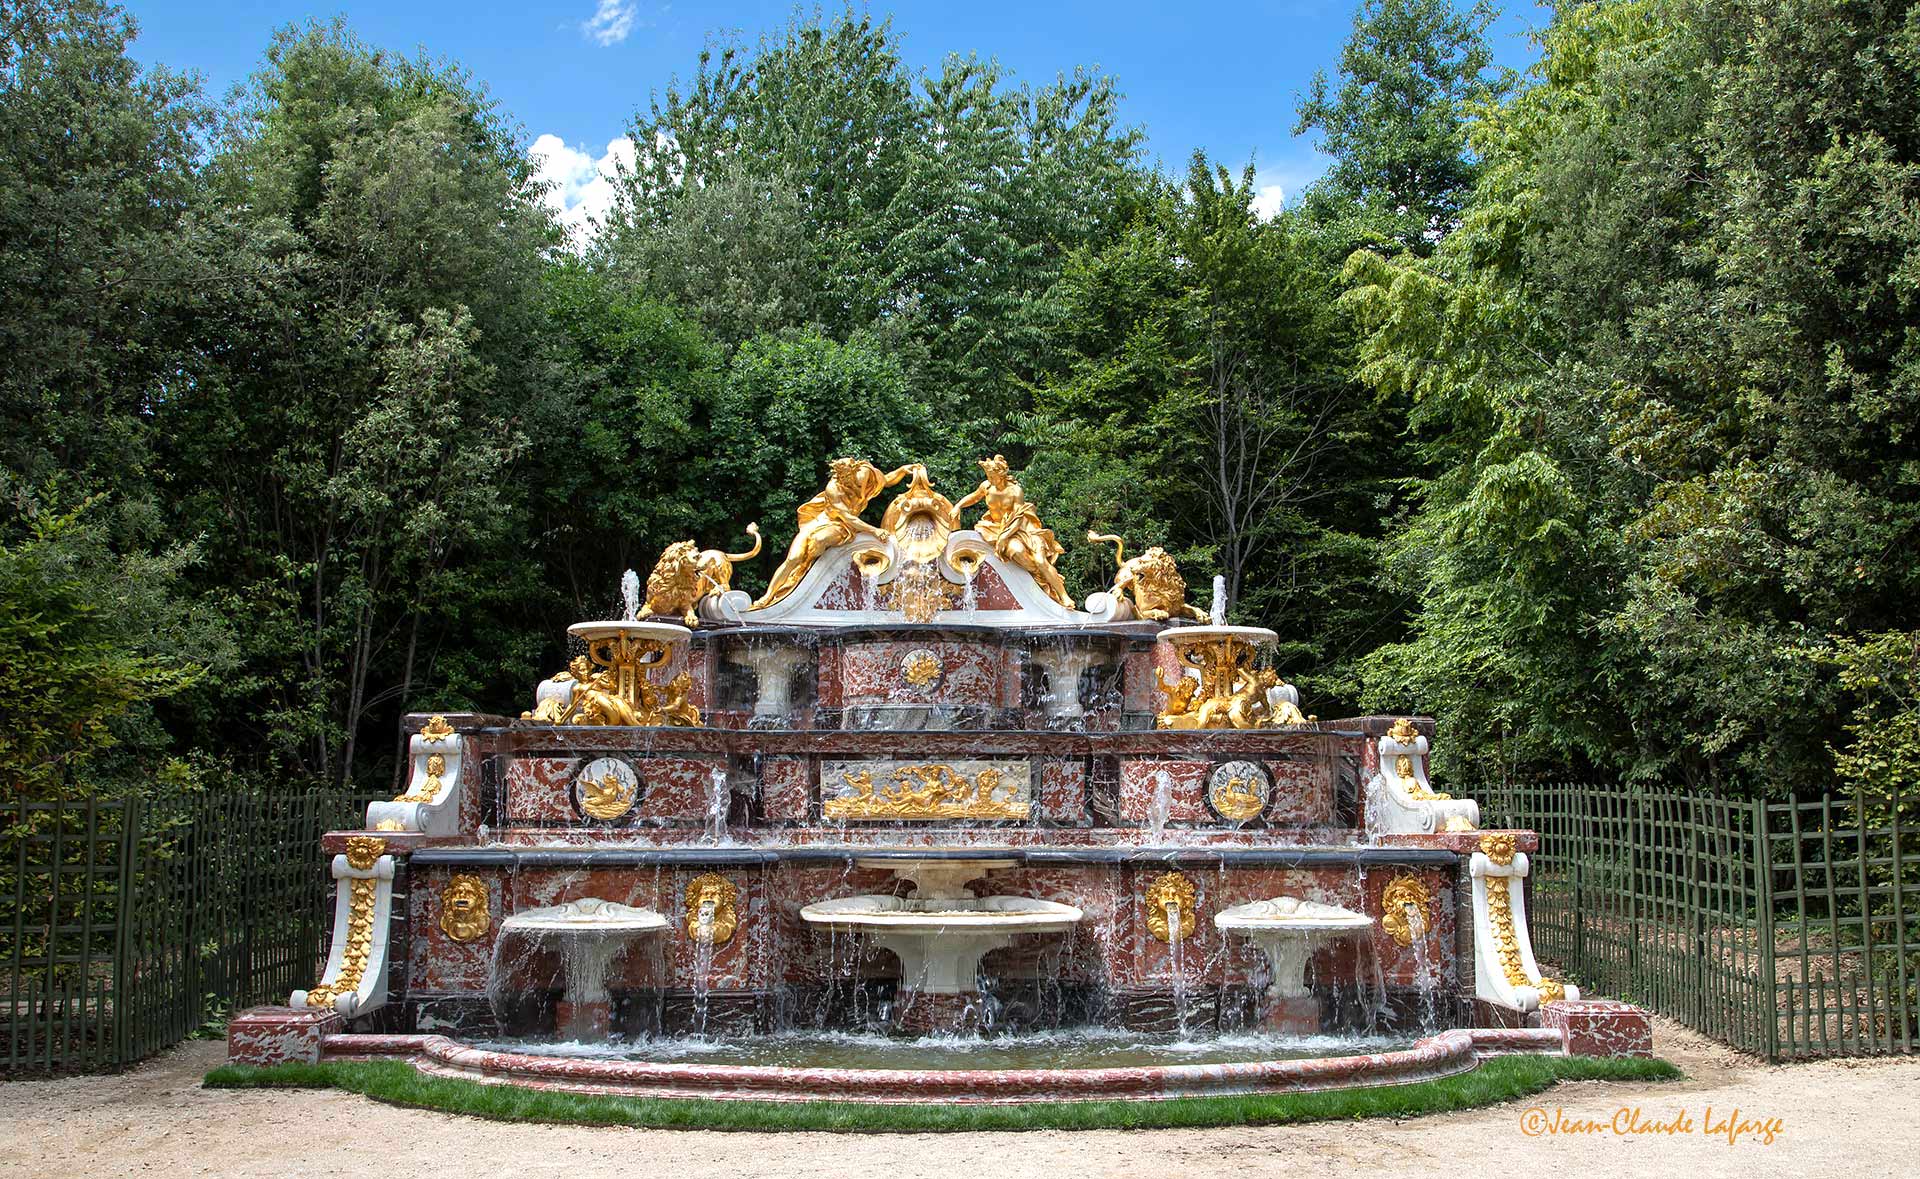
(1159, 592)
(687, 573)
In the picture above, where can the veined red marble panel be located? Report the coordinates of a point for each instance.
(873, 673)
(747, 959)
(827, 676)
(536, 789)
(438, 962)
(1063, 790)
(1600, 1027)
(1302, 794)
(785, 787)
(268, 1036)
(675, 787)
(1140, 780)
(990, 591)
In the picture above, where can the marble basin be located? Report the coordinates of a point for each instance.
(590, 934)
(940, 940)
(659, 632)
(1288, 930)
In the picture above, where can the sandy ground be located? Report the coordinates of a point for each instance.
(1838, 1117)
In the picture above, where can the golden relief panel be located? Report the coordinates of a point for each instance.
(606, 789)
(912, 790)
(1239, 790)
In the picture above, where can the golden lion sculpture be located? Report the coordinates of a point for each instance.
(1159, 592)
(687, 573)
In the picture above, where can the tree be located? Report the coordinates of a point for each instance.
(1410, 75)
(102, 254)
(932, 209)
(350, 442)
(1659, 371)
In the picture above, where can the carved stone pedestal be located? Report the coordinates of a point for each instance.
(1600, 1027)
(280, 1035)
(1292, 1015)
(590, 1020)
(926, 1014)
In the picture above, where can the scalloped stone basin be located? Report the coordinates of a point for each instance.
(1288, 930)
(591, 933)
(940, 940)
(660, 632)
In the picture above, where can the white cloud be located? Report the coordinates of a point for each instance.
(1268, 200)
(1286, 176)
(580, 187)
(610, 22)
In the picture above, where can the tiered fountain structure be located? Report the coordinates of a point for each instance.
(915, 791)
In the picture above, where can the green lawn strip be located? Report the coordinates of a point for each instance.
(1500, 1079)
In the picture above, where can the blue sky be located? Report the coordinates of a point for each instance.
(1221, 76)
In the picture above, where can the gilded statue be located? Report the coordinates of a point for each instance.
(1159, 592)
(1012, 525)
(600, 697)
(829, 519)
(686, 573)
(1179, 693)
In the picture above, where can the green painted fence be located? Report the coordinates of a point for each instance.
(1786, 929)
(128, 923)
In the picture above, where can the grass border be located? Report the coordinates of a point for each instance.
(395, 1082)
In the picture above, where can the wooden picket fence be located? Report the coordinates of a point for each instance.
(132, 922)
(1786, 929)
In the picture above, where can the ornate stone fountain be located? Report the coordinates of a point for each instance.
(914, 787)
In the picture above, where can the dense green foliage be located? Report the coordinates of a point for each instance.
(1664, 376)
(1502, 1078)
(1574, 408)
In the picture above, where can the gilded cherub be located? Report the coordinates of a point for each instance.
(1012, 525)
(829, 519)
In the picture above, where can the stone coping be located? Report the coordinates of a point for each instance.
(1445, 1054)
(581, 740)
(616, 857)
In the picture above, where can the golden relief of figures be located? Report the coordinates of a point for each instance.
(1012, 525)
(829, 519)
(617, 690)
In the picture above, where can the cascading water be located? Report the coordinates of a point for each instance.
(1177, 957)
(1159, 807)
(702, 965)
(719, 800)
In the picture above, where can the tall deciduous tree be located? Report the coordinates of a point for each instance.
(353, 446)
(1409, 77)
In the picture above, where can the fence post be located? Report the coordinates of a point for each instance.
(126, 920)
(1763, 901)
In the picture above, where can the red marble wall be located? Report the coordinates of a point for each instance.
(1139, 779)
(971, 674)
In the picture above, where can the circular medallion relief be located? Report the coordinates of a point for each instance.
(1239, 790)
(606, 788)
(921, 668)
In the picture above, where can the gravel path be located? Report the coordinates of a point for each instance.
(1837, 1117)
